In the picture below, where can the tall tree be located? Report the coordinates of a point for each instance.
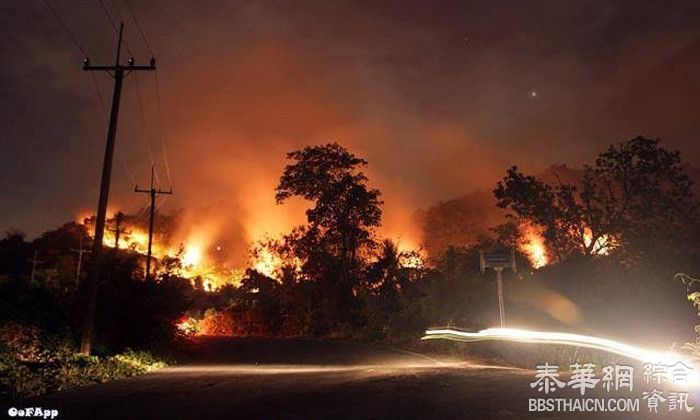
(341, 221)
(635, 190)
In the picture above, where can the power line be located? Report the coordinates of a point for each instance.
(138, 26)
(167, 165)
(109, 15)
(159, 204)
(114, 24)
(159, 135)
(98, 92)
(127, 170)
(143, 119)
(160, 128)
(65, 28)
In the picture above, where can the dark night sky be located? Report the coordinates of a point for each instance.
(437, 95)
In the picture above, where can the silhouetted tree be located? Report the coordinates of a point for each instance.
(388, 275)
(634, 190)
(14, 255)
(340, 224)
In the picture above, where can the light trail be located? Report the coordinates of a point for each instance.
(388, 367)
(567, 339)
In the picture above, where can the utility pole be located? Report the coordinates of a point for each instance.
(34, 261)
(118, 219)
(118, 72)
(80, 251)
(152, 192)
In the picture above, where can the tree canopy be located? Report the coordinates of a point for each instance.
(341, 222)
(633, 191)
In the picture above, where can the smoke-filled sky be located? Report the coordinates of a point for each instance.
(439, 96)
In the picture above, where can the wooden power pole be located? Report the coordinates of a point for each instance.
(80, 251)
(118, 71)
(152, 192)
(32, 278)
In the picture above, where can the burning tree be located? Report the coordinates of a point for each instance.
(634, 191)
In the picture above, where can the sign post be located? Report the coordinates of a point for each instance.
(498, 261)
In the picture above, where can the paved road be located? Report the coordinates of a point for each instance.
(263, 379)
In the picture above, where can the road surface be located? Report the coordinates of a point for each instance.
(266, 378)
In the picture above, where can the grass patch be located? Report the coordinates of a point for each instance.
(33, 365)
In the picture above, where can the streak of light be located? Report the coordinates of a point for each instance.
(287, 369)
(567, 339)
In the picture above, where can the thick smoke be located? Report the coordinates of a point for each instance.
(436, 96)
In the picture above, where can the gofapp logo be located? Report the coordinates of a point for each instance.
(33, 412)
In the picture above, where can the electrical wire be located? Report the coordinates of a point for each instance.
(160, 128)
(131, 11)
(70, 35)
(98, 93)
(127, 170)
(143, 119)
(109, 15)
(138, 26)
(114, 24)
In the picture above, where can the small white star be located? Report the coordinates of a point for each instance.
(533, 94)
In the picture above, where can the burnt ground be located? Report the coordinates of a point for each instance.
(268, 378)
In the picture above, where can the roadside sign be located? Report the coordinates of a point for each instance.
(498, 261)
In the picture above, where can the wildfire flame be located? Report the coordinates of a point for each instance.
(532, 244)
(198, 265)
(267, 262)
(191, 254)
(410, 254)
(602, 246)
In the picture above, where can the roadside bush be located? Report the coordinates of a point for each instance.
(32, 365)
(216, 323)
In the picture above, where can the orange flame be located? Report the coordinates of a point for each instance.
(602, 246)
(193, 258)
(532, 244)
(267, 263)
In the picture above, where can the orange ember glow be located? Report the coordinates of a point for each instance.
(602, 246)
(192, 255)
(532, 244)
(410, 254)
(266, 262)
(195, 245)
(194, 264)
(188, 326)
(412, 260)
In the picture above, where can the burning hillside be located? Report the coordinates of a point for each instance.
(199, 257)
(193, 258)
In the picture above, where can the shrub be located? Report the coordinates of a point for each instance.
(32, 365)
